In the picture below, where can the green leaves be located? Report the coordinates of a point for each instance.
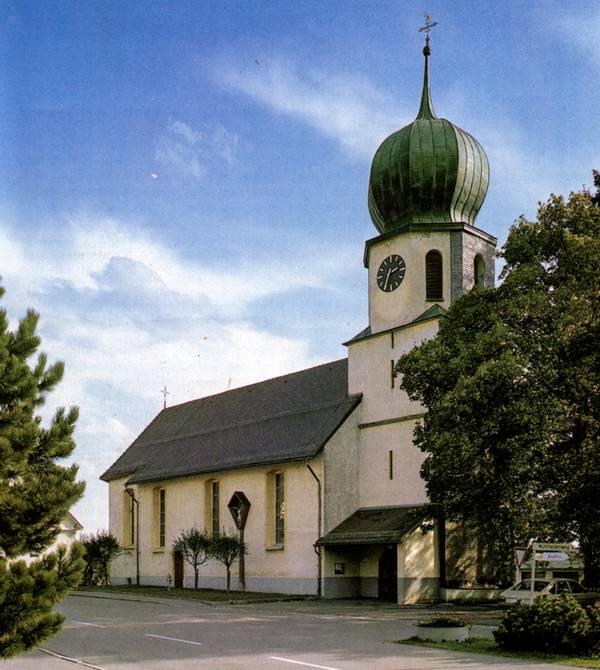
(99, 550)
(27, 594)
(35, 491)
(511, 385)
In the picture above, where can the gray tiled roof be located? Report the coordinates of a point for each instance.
(376, 525)
(283, 419)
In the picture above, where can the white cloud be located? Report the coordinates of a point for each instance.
(188, 150)
(127, 314)
(346, 108)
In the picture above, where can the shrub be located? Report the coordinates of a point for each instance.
(555, 625)
(445, 621)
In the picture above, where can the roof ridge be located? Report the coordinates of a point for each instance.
(249, 422)
(248, 386)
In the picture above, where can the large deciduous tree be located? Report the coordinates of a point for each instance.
(36, 492)
(511, 385)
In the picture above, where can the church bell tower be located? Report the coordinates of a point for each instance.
(427, 184)
(428, 181)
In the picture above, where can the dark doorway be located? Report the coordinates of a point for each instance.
(388, 575)
(178, 569)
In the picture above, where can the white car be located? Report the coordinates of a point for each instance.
(544, 588)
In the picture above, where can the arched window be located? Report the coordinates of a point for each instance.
(478, 271)
(434, 287)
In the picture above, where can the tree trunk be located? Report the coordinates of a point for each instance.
(196, 579)
(228, 579)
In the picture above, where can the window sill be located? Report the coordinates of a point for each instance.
(275, 547)
(434, 299)
(158, 550)
(129, 547)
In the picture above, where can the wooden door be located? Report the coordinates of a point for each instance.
(178, 569)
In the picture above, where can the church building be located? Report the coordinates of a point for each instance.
(319, 466)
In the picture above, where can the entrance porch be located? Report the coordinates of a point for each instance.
(382, 552)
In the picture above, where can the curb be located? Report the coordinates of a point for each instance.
(174, 599)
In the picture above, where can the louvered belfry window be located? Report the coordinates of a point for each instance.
(434, 287)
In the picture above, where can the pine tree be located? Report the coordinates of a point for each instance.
(35, 492)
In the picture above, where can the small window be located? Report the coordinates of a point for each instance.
(162, 518)
(275, 510)
(279, 509)
(128, 520)
(159, 504)
(212, 507)
(434, 289)
(479, 271)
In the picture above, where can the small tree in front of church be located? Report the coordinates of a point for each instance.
(227, 548)
(195, 546)
(35, 492)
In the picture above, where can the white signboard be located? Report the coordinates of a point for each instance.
(554, 556)
(553, 546)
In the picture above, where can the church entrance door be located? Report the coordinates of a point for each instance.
(388, 575)
(178, 569)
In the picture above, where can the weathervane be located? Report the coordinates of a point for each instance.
(427, 29)
(165, 393)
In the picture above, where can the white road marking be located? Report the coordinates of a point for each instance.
(87, 623)
(174, 639)
(68, 658)
(309, 665)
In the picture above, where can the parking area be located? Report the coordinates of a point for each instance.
(119, 634)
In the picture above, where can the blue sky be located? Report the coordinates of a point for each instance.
(183, 184)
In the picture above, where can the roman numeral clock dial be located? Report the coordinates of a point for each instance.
(391, 273)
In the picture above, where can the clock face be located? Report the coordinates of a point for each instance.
(391, 273)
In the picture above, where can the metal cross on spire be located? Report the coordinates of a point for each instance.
(429, 24)
(165, 393)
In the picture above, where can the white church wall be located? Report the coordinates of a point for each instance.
(290, 568)
(341, 473)
(418, 567)
(370, 363)
(405, 486)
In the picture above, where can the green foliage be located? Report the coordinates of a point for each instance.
(100, 549)
(227, 548)
(195, 546)
(445, 621)
(27, 594)
(553, 625)
(511, 385)
(36, 491)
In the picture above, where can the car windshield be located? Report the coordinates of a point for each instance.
(525, 585)
(576, 587)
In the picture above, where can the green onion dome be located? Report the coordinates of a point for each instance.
(430, 171)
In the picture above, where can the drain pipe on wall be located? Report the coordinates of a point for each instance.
(137, 534)
(317, 549)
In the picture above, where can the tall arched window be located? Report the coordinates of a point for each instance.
(434, 287)
(478, 271)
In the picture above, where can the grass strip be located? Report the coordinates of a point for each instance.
(201, 594)
(483, 645)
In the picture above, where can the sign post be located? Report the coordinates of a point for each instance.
(534, 547)
(239, 506)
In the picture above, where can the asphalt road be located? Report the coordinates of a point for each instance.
(118, 634)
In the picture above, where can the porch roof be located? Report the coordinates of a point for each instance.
(376, 525)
